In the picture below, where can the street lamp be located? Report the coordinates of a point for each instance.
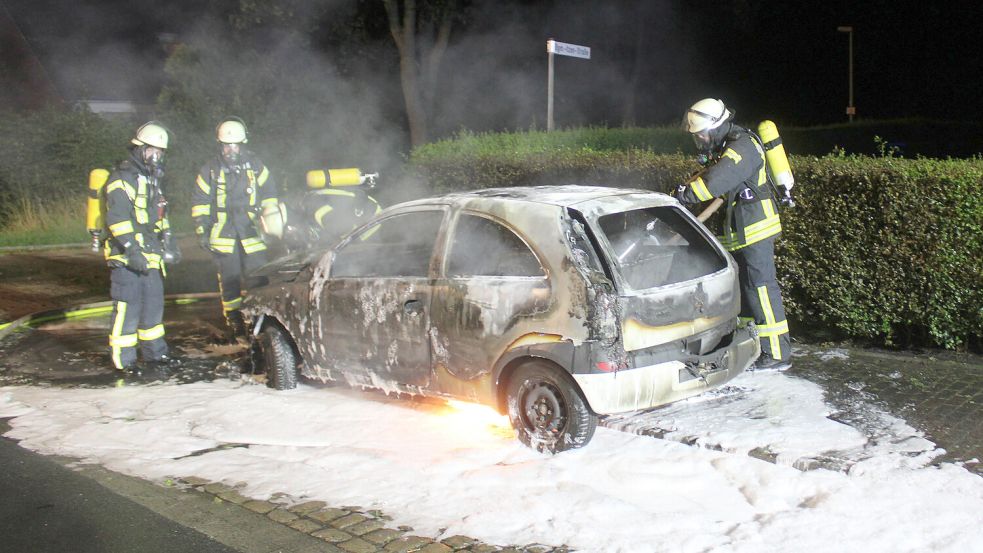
(851, 110)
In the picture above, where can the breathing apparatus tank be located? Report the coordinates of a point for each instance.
(321, 178)
(777, 160)
(95, 215)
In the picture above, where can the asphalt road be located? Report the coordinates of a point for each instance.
(52, 504)
(47, 507)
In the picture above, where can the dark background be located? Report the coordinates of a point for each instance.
(781, 60)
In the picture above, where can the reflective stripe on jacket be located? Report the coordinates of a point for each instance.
(133, 214)
(740, 176)
(228, 201)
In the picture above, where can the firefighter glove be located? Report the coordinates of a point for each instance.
(680, 194)
(172, 253)
(135, 259)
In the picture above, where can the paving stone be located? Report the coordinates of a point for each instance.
(217, 488)
(327, 515)
(305, 525)
(193, 481)
(458, 542)
(407, 544)
(233, 496)
(350, 520)
(382, 536)
(482, 548)
(358, 545)
(332, 535)
(365, 527)
(307, 507)
(282, 516)
(435, 548)
(261, 507)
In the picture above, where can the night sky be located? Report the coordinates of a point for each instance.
(782, 60)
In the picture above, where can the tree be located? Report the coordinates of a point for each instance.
(421, 34)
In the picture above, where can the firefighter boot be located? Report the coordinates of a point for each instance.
(769, 363)
(237, 326)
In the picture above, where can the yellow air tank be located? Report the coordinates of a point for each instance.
(777, 159)
(320, 178)
(95, 213)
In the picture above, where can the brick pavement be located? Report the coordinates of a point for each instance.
(939, 393)
(352, 529)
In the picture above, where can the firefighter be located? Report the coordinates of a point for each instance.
(230, 194)
(139, 240)
(735, 170)
(338, 201)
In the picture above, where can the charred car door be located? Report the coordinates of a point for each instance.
(373, 310)
(492, 279)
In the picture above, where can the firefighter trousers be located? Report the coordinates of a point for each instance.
(233, 270)
(138, 311)
(761, 298)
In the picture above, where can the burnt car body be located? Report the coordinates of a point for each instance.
(553, 304)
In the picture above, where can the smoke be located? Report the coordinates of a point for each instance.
(496, 70)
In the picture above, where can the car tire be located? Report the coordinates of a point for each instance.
(278, 358)
(546, 409)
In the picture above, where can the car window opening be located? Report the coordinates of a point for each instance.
(658, 246)
(400, 246)
(482, 247)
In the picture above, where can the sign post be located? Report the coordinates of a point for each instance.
(851, 110)
(563, 49)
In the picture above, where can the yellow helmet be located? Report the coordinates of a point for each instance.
(707, 114)
(153, 134)
(232, 130)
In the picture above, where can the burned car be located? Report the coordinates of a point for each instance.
(553, 304)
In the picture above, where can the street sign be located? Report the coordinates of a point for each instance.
(564, 49)
(851, 110)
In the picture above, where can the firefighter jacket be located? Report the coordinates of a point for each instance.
(740, 176)
(227, 203)
(336, 211)
(135, 214)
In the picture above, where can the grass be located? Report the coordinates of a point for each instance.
(32, 222)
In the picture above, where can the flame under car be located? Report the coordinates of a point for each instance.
(550, 304)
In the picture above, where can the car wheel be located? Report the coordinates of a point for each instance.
(547, 411)
(278, 358)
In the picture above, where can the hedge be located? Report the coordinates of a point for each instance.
(884, 249)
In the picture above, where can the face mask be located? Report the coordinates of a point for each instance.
(230, 153)
(153, 158)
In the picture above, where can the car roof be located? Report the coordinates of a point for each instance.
(569, 195)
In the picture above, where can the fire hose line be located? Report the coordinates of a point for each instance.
(89, 310)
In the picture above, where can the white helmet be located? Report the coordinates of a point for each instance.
(705, 115)
(232, 131)
(151, 133)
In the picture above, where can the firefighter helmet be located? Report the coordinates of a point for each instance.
(232, 130)
(153, 134)
(707, 114)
